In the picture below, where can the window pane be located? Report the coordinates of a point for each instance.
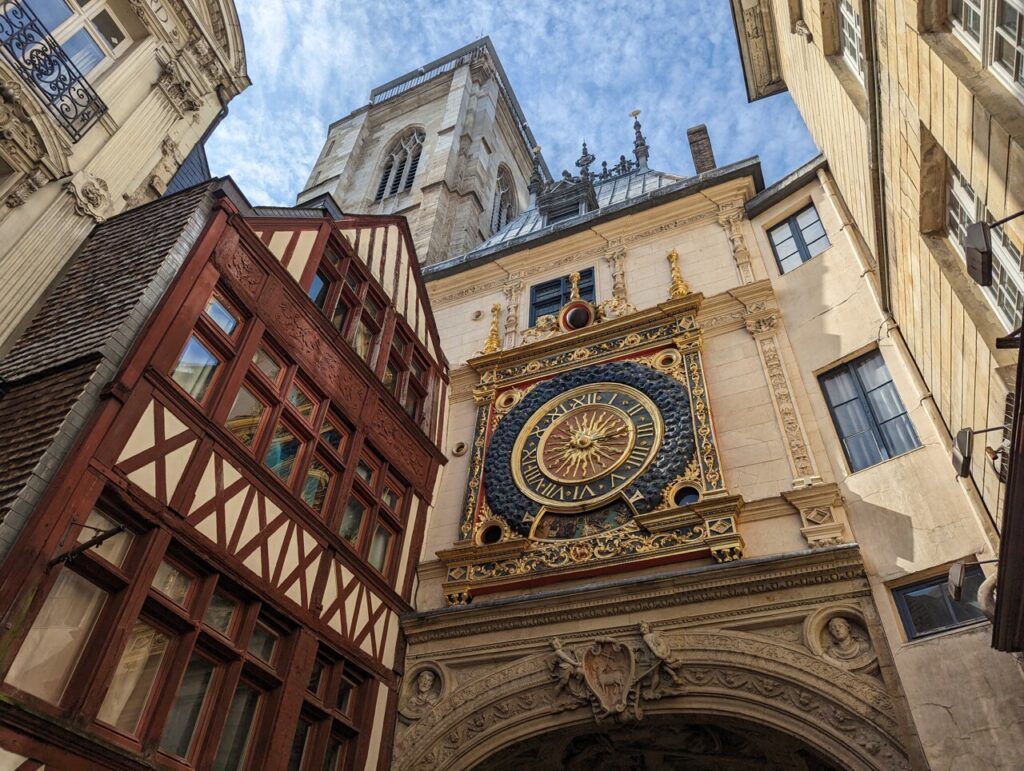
(220, 613)
(885, 402)
(172, 582)
(298, 746)
(262, 643)
(411, 404)
(339, 315)
(300, 401)
(390, 498)
(108, 29)
(281, 453)
(807, 218)
(335, 754)
(363, 340)
(83, 51)
(364, 471)
(839, 387)
(44, 664)
(314, 489)
(50, 12)
(379, 547)
(221, 316)
(345, 692)
(332, 435)
(899, 435)
(871, 370)
(195, 368)
(863, 451)
(133, 680)
(817, 246)
(927, 608)
(181, 723)
(316, 678)
(237, 728)
(390, 378)
(244, 417)
(352, 520)
(267, 363)
(851, 418)
(780, 234)
(969, 609)
(318, 290)
(114, 549)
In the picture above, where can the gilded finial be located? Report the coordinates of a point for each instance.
(574, 291)
(678, 288)
(493, 343)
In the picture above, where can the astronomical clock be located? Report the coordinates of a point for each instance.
(594, 452)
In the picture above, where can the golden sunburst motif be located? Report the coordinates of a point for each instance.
(586, 443)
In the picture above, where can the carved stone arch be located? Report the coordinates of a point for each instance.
(383, 177)
(847, 717)
(228, 33)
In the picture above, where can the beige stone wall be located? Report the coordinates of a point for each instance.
(938, 106)
(908, 514)
(469, 132)
(161, 94)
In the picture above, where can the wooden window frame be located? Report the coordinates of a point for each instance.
(589, 293)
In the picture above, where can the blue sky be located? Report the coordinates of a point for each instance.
(578, 69)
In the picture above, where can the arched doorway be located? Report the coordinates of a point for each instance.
(789, 705)
(660, 743)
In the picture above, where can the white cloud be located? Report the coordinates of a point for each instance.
(578, 69)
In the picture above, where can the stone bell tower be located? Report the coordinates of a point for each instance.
(446, 146)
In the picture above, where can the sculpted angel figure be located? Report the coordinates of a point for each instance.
(844, 645)
(668, 662)
(565, 666)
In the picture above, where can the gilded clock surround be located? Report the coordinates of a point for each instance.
(518, 387)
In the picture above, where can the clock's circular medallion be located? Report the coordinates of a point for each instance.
(585, 445)
(587, 448)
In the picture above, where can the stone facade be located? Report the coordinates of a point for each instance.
(162, 87)
(472, 127)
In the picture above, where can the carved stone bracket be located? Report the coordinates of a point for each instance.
(91, 196)
(730, 219)
(821, 513)
(178, 88)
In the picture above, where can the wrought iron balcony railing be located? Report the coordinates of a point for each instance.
(47, 69)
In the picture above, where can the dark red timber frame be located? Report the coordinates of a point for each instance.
(230, 262)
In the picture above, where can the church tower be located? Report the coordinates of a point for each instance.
(446, 146)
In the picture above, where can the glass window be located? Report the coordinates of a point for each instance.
(319, 289)
(244, 417)
(298, 745)
(195, 368)
(267, 363)
(172, 582)
(850, 37)
(263, 642)
(181, 723)
(364, 471)
(83, 51)
(379, 546)
(549, 297)
(220, 613)
(115, 548)
(798, 239)
(363, 340)
(50, 652)
(867, 411)
(301, 401)
(390, 378)
(52, 13)
(283, 450)
(1009, 46)
(926, 608)
(332, 435)
(352, 519)
(345, 692)
(966, 18)
(335, 754)
(340, 315)
(133, 679)
(108, 29)
(411, 403)
(316, 678)
(219, 313)
(318, 481)
(237, 729)
(390, 498)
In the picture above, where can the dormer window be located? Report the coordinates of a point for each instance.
(400, 165)
(567, 198)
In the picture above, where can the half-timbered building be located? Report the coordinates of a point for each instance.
(219, 442)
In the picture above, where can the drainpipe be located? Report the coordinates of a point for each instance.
(875, 154)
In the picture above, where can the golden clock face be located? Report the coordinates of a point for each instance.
(586, 445)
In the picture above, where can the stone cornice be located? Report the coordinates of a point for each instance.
(676, 588)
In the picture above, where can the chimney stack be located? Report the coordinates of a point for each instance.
(700, 148)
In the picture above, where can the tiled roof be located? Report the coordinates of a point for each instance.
(103, 282)
(89, 319)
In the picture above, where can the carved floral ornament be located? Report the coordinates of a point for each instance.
(619, 678)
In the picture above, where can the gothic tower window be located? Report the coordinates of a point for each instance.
(400, 165)
(504, 209)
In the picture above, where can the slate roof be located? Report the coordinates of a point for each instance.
(51, 378)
